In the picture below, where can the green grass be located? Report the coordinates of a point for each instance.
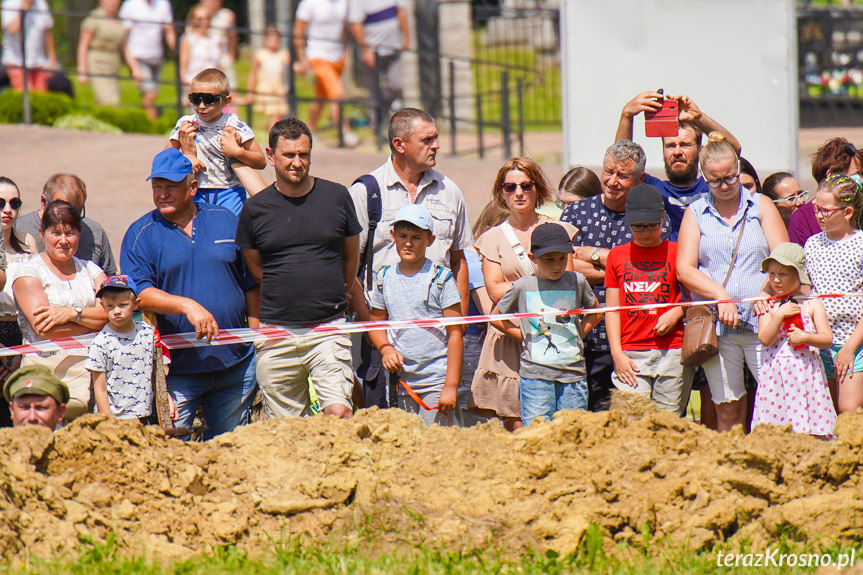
(299, 555)
(542, 103)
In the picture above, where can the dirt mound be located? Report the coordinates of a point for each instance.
(383, 479)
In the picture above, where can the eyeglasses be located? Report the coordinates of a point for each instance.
(819, 211)
(848, 149)
(644, 227)
(727, 181)
(800, 196)
(510, 188)
(14, 203)
(198, 98)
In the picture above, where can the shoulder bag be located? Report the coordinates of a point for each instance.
(700, 341)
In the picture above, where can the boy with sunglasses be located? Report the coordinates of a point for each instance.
(219, 145)
(645, 343)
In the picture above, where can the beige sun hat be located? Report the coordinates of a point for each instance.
(791, 255)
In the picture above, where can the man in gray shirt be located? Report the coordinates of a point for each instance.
(93, 245)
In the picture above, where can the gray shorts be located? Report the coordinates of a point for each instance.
(150, 70)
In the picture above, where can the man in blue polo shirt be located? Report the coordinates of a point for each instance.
(183, 257)
(680, 153)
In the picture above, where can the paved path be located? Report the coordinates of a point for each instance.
(115, 166)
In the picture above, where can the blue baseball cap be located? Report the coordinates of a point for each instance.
(417, 215)
(119, 282)
(171, 164)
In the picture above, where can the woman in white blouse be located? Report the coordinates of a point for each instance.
(56, 297)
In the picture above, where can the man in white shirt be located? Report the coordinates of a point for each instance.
(408, 177)
(319, 39)
(148, 21)
(381, 28)
(38, 55)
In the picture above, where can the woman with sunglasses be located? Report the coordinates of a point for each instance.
(18, 250)
(783, 190)
(713, 228)
(520, 187)
(834, 262)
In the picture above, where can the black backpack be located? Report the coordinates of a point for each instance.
(375, 207)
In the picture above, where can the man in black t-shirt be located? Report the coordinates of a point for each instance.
(300, 237)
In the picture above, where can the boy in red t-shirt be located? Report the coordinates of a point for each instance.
(645, 343)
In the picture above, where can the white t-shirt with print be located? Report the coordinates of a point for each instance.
(383, 35)
(218, 174)
(126, 359)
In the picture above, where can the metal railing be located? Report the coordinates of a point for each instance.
(497, 98)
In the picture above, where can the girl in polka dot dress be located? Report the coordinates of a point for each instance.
(792, 387)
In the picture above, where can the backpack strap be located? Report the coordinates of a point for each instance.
(374, 206)
(379, 277)
(439, 276)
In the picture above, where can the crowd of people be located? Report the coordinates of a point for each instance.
(138, 31)
(222, 249)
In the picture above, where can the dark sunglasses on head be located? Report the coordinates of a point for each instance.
(848, 149)
(14, 203)
(198, 98)
(510, 187)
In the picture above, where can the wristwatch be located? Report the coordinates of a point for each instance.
(80, 311)
(594, 257)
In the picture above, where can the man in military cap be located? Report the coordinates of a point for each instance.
(36, 397)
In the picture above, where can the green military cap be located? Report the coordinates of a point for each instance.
(35, 380)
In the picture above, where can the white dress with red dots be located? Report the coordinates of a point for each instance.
(792, 387)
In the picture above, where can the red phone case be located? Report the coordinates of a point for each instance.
(663, 122)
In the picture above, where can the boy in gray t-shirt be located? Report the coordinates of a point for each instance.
(428, 358)
(552, 361)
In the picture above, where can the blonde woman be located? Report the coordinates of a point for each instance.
(711, 228)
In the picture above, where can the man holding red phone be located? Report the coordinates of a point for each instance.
(679, 153)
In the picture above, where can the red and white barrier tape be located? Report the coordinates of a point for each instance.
(251, 335)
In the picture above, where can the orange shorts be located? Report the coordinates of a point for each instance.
(329, 78)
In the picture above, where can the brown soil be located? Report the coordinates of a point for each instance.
(384, 479)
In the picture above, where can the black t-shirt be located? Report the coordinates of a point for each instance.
(301, 241)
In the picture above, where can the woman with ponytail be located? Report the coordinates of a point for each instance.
(834, 262)
(712, 226)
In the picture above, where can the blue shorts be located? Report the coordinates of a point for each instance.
(231, 198)
(544, 398)
(827, 356)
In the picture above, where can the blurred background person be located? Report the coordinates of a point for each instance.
(199, 48)
(223, 25)
(267, 84)
(103, 38)
(34, 18)
(148, 22)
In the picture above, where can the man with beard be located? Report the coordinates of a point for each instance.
(679, 153)
(300, 237)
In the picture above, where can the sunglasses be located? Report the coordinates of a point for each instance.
(198, 98)
(510, 188)
(801, 196)
(848, 149)
(14, 203)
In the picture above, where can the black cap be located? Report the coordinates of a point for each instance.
(549, 237)
(644, 205)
